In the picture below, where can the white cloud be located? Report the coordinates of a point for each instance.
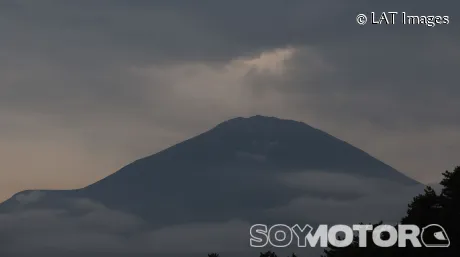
(30, 197)
(106, 230)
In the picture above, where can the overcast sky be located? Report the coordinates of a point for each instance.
(89, 86)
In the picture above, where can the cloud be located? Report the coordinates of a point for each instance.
(100, 229)
(86, 88)
(337, 183)
(340, 198)
(87, 226)
(29, 197)
(89, 87)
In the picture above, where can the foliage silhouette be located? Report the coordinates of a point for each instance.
(273, 254)
(425, 209)
(268, 254)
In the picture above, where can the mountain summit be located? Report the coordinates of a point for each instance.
(233, 170)
(259, 141)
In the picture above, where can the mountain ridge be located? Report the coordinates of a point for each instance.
(241, 123)
(236, 160)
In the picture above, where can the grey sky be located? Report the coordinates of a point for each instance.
(87, 87)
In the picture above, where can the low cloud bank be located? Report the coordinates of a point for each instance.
(90, 227)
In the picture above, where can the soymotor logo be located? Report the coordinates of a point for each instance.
(281, 235)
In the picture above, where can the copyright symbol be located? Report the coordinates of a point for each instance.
(361, 19)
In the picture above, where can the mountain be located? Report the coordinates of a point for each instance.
(210, 188)
(229, 168)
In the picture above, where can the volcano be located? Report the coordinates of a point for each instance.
(234, 170)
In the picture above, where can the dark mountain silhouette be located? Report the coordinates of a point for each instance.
(226, 172)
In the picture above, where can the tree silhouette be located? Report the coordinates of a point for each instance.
(268, 254)
(425, 209)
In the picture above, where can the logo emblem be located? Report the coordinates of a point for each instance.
(434, 236)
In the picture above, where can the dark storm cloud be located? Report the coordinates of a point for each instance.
(80, 52)
(166, 30)
(413, 82)
(71, 55)
(88, 45)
